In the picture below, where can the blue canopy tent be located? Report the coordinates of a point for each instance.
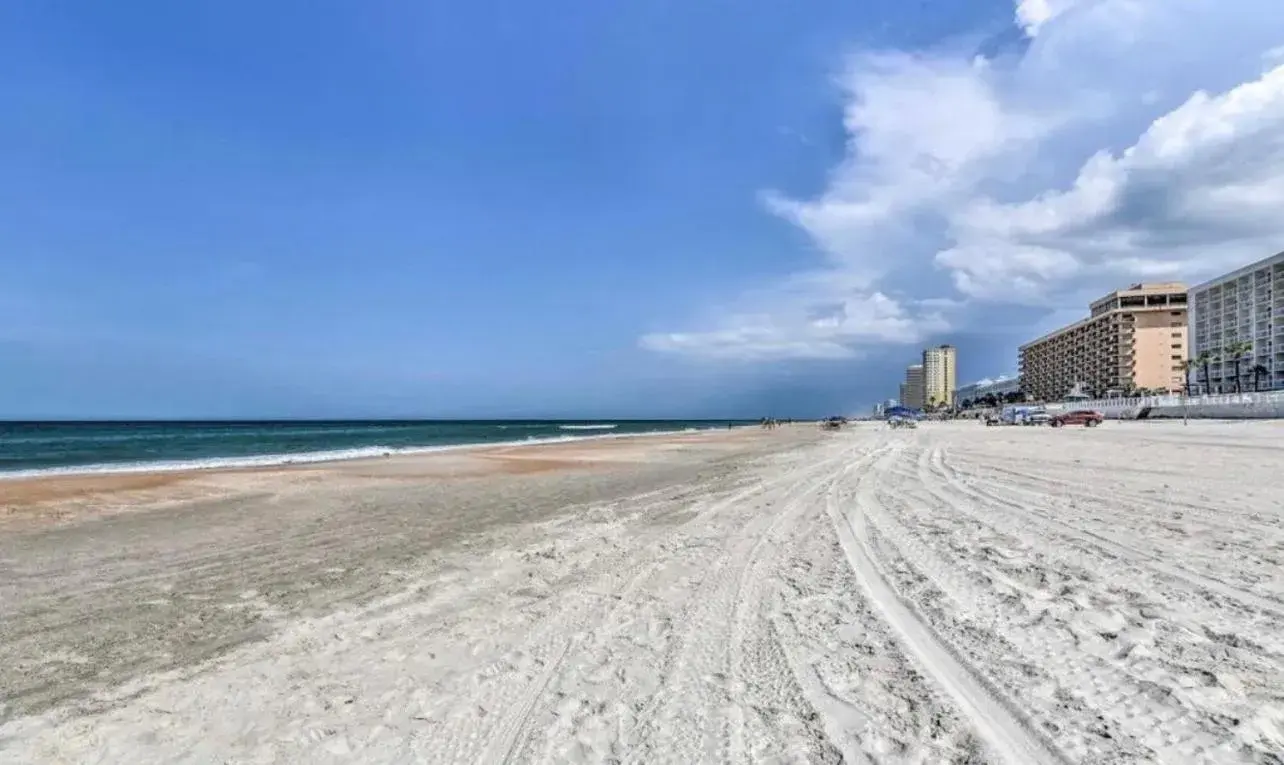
(903, 412)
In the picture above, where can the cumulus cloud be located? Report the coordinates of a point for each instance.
(1130, 139)
(828, 314)
(1031, 15)
(812, 331)
(1201, 190)
(922, 132)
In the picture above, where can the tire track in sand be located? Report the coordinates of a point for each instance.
(750, 597)
(1102, 540)
(582, 617)
(1042, 642)
(595, 628)
(702, 681)
(1067, 487)
(1008, 737)
(510, 731)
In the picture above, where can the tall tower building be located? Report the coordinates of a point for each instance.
(912, 389)
(939, 365)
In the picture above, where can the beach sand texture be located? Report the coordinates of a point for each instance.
(954, 593)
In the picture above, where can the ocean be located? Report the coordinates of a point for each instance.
(40, 448)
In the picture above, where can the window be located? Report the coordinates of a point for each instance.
(1176, 346)
(1176, 334)
(1176, 357)
(1176, 313)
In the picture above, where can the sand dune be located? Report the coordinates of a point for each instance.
(951, 594)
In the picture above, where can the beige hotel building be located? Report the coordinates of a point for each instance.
(1134, 338)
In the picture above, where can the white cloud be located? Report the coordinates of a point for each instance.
(821, 315)
(1132, 139)
(1201, 190)
(922, 131)
(1018, 276)
(1031, 15)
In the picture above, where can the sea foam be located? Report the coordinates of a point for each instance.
(303, 458)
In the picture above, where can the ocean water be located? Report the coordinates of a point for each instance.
(37, 448)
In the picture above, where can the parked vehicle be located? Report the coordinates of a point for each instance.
(1085, 417)
(1024, 414)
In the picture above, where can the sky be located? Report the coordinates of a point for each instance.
(224, 208)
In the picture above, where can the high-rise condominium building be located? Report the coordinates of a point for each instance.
(1243, 306)
(939, 375)
(912, 388)
(1134, 339)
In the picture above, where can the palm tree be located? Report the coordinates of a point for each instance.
(1204, 360)
(1234, 353)
(1258, 371)
(1186, 366)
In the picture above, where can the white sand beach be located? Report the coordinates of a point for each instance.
(953, 593)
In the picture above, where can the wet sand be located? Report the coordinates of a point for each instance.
(27, 503)
(104, 579)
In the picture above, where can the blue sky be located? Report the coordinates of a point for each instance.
(599, 209)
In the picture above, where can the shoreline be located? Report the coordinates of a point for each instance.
(288, 459)
(62, 497)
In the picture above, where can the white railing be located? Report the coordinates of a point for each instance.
(1268, 404)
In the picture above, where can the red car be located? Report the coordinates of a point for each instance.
(1084, 417)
